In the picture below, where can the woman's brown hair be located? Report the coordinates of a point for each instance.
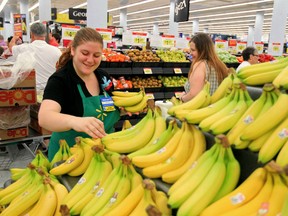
(83, 35)
(206, 52)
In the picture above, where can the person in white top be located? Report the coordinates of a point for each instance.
(250, 56)
(46, 56)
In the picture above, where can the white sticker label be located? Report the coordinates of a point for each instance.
(238, 198)
(283, 133)
(81, 180)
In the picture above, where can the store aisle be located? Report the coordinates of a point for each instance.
(21, 160)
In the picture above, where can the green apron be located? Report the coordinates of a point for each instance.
(91, 107)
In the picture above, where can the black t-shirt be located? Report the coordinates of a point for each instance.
(62, 88)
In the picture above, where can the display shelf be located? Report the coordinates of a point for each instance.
(140, 70)
(175, 70)
(118, 71)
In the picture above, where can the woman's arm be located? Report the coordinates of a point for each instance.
(51, 119)
(196, 81)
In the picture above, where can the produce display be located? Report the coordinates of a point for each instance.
(265, 57)
(142, 56)
(172, 55)
(110, 55)
(146, 82)
(173, 81)
(226, 57)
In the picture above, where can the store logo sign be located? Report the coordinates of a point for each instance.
(77, 14)
(181, 10)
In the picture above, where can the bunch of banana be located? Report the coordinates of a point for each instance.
(282, 158)
(175, 101)
(96, 173)
(79, 160)
(215, 174)
(176, 156)
(126, 124)
(223, 88)
(62, 154)
(202, 99)
(281, 81)
(222, 121)
(120, 182)
(259, 107)
(262, 193)
(138, 136)
(284, 210)
(131, 101)
(259, 74)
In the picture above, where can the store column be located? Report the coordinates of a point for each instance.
(123, 18)
(44, 10)
(155, 29)
(97, 13)
(173, 26)
(258, 26)
(278, 25)
(250, 37)
(8, 23)
(195, 26)
(206, 30)
(25, 19)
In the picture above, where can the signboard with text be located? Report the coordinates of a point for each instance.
(106, 34)
(259, 46)
(241, 46)
(68, 33)
(221, 45)
(168, 41)
(181, 10)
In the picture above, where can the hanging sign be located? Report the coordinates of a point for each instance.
(182, 43)
(221, 45)
(275, 49)
(139, 38)
(181, 10)
(155, 41)
(17, 25)
(68, 33)
(259, 46)
(168, 41)
(77, 13)
(241, 46)
(106, 34)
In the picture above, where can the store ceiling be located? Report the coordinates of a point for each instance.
(218, 16)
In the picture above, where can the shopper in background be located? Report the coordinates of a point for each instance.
(206, 66)
(76, 95)
(250, 56)
(2, 41)
(46, 55)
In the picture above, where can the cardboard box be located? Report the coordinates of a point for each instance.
(34, 110)
(23, 93)
(14, 133)
(14, 117)
(35, 126)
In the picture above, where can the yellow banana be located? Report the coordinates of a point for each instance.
(126, 124)
(88, 154)
(262, 68)
(222, 89)
(231, 177)
(227, 122)
(277, 197)
(262, 78)
(256, 144)
(65, 154)
(274, 143)
(278, 81)
(239, 196)
(266, 122)
(124, 93)
(195, 103)
(61, 192)
(71, 163)
(199, 146)
(158, 142)
(284, 210)
(203, 195)
(161, 155)
(194, 179)
(112, 157)
(177, 159)
(17, 173)
(254, 204)
(120, 101)
(161, 200)
(131, 144)
(282, 158)
(135, 178)
(139, 106)
(129, 203)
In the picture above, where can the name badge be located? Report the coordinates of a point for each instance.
(107, 104)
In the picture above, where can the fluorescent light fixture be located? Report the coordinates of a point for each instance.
(77, 6)
(131, 5)
(33, 7)
(34, 22)
(3, 4)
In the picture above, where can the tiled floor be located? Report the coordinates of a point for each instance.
(20, 158)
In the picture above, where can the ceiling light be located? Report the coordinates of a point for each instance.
(3, 4)
(131, 5)
(77, 6)
(33, 7)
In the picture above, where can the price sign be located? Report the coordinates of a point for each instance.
(275, 48)
(221, 45)
(179, 94)
(147, 70)
(168, 41)
(106, 34)
(241, 46)
(150, 96)
(259, 46)
(139, 38)
(69, 31)
(177, 71)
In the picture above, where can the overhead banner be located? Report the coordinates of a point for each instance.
(181, 10)
(17, 25)
(53, 13)
(77, 14)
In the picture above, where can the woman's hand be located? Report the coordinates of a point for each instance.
(89, 125)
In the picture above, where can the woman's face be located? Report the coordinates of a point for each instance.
(193, 50)
(87, 57)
